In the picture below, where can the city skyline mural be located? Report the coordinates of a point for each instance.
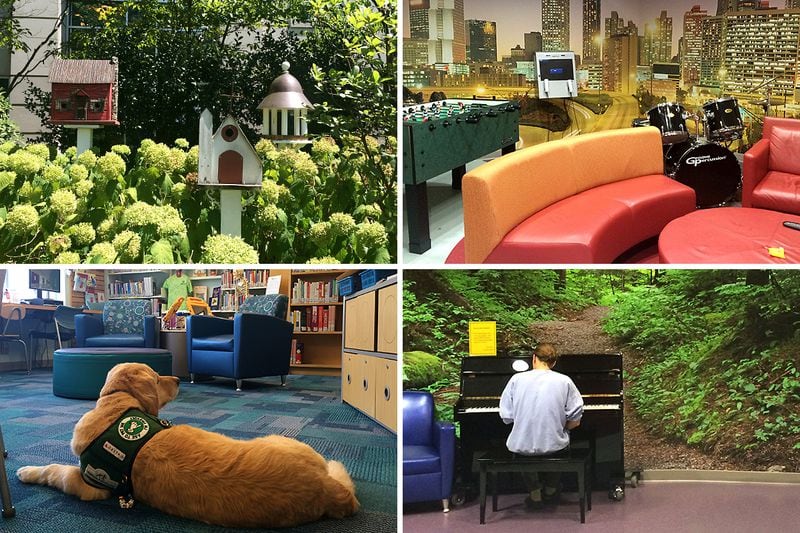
(630, 57)
(514, 18)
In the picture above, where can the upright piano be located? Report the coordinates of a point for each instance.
(599, 380)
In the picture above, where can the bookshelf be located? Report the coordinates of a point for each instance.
(136, 285)
(314, 293)
(256, 284)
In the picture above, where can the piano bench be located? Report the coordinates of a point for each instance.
(578, 461)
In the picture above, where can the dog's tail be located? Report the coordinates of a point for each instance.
(341, 491)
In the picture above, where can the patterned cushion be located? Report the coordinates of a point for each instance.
(125, 316)
(270, 304)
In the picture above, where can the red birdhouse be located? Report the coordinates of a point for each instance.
(85, 91)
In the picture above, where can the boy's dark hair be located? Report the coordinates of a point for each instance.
(546, 353)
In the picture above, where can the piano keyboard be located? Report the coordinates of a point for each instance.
(593, 407)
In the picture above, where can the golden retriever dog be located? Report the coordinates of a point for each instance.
(265, 482)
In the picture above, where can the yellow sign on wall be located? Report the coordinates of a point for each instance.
(483, 338)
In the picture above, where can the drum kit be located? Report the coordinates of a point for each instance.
(705, 164)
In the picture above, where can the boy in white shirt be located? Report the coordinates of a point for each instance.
(543, 405)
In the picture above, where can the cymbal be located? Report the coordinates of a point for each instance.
(763, 102)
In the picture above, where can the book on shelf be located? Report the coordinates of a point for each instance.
(297, 352)
(315, 292)
(314, 319)
(215, 295)
(131, 288)
(200, 291)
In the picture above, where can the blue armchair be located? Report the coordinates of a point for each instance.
(256, 343)
(125, 324)
(429, 448)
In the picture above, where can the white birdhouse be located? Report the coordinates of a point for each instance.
(286, 110)
(227, 159)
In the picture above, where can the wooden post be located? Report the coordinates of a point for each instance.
(230, 206)
(85, 135)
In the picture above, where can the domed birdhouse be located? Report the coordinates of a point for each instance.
(286, 110)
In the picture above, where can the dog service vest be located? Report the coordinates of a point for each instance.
(108, 461)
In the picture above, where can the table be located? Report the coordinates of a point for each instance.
(729, 235)
(174, 340)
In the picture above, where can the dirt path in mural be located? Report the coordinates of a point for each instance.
(584, 334)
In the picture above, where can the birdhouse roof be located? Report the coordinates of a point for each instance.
(83, 71)
(285, 92)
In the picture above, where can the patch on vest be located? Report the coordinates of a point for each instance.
(100, 476)
(133, 427)
(113, 450)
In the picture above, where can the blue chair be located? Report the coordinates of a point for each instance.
(429, 448)
(256, 343)
(124, 324)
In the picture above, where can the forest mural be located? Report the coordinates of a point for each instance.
(711, 357)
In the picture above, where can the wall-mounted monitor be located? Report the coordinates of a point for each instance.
(44, 280)
(556, 74)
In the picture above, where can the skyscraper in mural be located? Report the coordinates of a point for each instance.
(591, 31)
(555, 25)
(481, 40)
(441, 22)
(692, 45)
(658, 40)
(533, 44)
(711, 72)
(759, 46)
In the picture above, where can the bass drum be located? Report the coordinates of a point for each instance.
(710, 169)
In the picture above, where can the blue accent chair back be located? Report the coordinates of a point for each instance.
(124, 324)
(428, 451)
(256, 343)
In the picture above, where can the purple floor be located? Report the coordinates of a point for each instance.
(652, 507)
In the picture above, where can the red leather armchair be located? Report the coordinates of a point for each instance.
(771, 174)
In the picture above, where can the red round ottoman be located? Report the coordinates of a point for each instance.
(729, 235)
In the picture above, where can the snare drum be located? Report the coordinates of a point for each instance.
(708, 168)
(670, 118)
(723, 121)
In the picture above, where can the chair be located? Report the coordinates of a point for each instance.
(13, 315)
(124, 324)
(5, 492)
(63, 317)
(428, 451)
(256, 343)
(771, 173)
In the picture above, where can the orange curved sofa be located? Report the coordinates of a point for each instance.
(586, 199)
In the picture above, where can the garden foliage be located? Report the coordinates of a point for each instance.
(720, 366)
(120, 208)
(178, 58)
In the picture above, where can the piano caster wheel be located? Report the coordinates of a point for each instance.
(635, 480)
(457, 499)
(617, 493)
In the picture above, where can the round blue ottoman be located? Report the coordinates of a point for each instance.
(81, 372)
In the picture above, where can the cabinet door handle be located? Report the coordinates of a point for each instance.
(387, 394)
(365, 384)
(348, 379)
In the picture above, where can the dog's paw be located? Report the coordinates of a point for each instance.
(29, 474)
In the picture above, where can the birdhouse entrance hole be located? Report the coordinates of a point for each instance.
(231, 168)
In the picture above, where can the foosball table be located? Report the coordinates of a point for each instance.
(444, 136)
